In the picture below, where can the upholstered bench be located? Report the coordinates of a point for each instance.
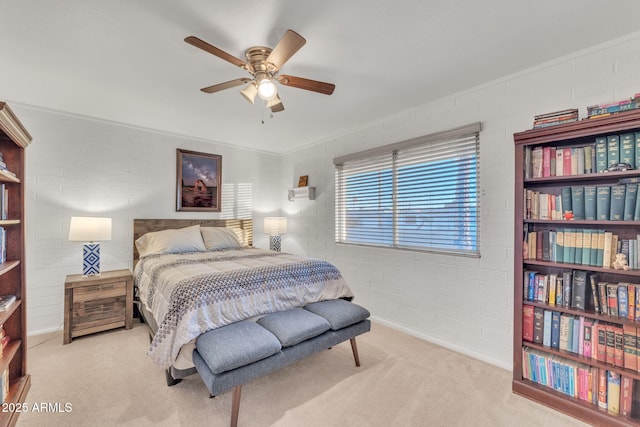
(232, 355)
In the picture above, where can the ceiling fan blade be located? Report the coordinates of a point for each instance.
(288, 45)
(194, 41)
(312, 85)
(225, 85)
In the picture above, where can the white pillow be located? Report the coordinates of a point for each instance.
(216, 238)
(171, 241)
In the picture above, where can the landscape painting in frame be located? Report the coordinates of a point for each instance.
(199, 186)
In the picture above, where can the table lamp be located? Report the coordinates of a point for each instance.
(90, 230)
(275, 226)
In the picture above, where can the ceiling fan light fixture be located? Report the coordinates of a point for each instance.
(267, 90)
(250, 92)
(274, 101)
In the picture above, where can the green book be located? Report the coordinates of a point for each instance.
(601, 153)
(637, 138)
(600, 257)
(577, 202)
(577, 255)
(560, 245)
(616, 211)
(636, 215)
(603, 202)
(593, 259)
(613, 150)
(588, 159)
(630, 199)
(628, 149)
(565, 196)
(590, 202)
(566, 249)
(586, 247)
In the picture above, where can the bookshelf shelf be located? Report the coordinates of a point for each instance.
(532, 262)
(14, 139)
(527, 348)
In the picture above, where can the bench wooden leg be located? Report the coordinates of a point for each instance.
(235, 405)
(354, 348)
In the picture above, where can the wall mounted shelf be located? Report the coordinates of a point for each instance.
(302, 193)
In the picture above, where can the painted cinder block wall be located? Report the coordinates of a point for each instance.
(462, 303)
(83, 166)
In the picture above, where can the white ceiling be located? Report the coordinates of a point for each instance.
(126, 61)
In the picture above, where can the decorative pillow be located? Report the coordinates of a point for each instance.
(216, 238)
(171, 241)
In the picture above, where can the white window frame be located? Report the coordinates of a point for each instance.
(395, 179)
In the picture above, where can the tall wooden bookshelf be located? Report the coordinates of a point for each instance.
(576, 134)
(14, 138)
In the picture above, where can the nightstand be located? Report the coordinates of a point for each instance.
(97, 303)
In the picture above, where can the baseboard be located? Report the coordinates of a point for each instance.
(442, 343)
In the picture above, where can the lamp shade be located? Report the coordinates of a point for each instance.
(250, 92)
(89, 229)
(275, 225)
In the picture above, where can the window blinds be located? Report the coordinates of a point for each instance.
(420, 194)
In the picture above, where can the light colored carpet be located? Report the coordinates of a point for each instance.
(404, 381)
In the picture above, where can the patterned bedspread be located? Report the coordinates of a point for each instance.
(191, 293)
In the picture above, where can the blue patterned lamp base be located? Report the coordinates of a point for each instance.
(274, 243)
(91, 259)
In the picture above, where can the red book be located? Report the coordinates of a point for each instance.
(566, 164)
(602, 388)
(626, 395)
(610, 344)
(618, 358)
(527, 323)
(601, 354)
(546, 161)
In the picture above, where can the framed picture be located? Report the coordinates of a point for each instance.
(198, 181)
(303, 181)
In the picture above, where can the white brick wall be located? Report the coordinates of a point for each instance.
(78, 166)
(462, 303)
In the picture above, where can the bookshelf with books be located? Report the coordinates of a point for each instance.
(14, 379)
(576, 301)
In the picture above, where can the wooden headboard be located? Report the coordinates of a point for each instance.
(142, 226)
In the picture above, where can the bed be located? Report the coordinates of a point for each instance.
(193, 276)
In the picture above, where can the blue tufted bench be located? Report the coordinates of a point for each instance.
(232, 355)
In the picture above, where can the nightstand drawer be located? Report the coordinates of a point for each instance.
(102, 291)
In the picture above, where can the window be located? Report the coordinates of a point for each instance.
(420, 194)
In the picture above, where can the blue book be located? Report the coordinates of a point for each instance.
(636, 214)
(575, 336)
(630, 200)
(531, 296)
(590, 202)
(570, 319)
(623, 303)
(616, 210)
(546, 333)
(613, 150)
(555, 329)
(577, 202)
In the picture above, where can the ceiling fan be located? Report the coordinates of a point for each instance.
(264, 64)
